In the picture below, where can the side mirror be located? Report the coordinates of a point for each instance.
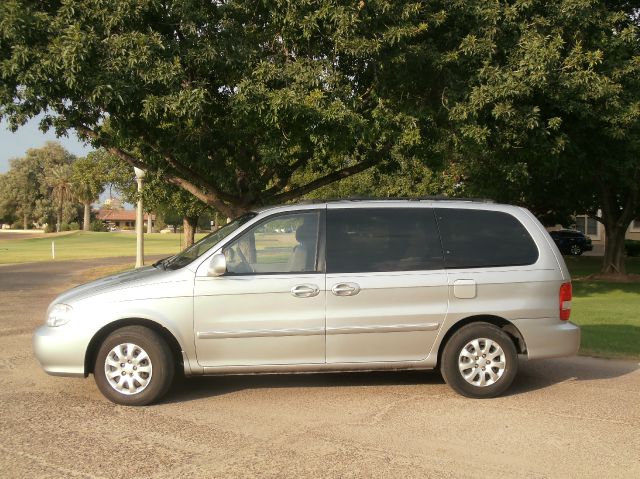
(217, 265)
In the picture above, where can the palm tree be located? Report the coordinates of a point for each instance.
(89, 178)
(85, 193)
(59, 180)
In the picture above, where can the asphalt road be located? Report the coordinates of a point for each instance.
(576, 417)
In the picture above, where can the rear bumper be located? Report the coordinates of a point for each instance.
(59, 353)
(549, 337)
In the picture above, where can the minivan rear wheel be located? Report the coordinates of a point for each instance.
(479, 361)
(134, 366)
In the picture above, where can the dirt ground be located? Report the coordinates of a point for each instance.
(575, 417)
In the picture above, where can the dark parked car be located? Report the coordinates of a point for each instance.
(571, 242)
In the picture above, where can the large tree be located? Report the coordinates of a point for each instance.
(27, 191)
(230, 100)
(552, 116)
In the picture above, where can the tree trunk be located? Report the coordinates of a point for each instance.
(189, 224)
(86, 222)
(149, 223)
(59, 219)
(25, 222)
(613, 262)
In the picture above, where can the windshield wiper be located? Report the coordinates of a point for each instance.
(162, 262)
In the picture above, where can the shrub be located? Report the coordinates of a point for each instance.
(632, 248)
(74, 225)
(97, 225)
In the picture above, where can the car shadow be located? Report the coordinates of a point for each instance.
(544, 373)
(532, 375)
(199, 387)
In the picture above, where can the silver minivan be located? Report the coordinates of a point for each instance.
(463, 286)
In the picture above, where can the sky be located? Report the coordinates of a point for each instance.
(14, 145)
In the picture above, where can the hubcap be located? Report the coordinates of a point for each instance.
(575, 249)
(482, 362)
(128, 368)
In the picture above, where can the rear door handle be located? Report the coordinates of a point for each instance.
(345, 289)
(305, 290)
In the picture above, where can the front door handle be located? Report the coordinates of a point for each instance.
(345, 289)
(305, 290)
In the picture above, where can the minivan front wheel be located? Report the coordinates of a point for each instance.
(479, 361)
(134, 366)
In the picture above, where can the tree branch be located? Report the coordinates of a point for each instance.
(325, 180)
(118, 152)
(210, 198)
(284, 178)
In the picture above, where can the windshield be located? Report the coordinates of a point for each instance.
(201, 247)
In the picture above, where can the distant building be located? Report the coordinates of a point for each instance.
(112, 204)
(121, 219)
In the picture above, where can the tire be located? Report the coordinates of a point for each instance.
(471, 338)
(575, 250)
(140, 365)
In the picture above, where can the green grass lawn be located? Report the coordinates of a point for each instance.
(84, 245)
(608, 313)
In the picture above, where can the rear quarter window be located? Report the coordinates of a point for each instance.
(480, 238)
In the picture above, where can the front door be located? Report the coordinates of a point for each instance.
(269, 309)
(386, 286)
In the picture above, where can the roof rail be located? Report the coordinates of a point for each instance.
(406, 198)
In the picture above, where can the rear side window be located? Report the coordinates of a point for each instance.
(371, 240)
(477, 238)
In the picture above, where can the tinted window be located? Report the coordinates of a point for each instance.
(476, 238)
(282, 244)
(382, 239)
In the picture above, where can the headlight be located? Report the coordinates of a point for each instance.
(59, 314)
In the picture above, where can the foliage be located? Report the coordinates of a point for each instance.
(26, 190)
(157, 195)
(230, 100)
(98, 226)
(552, 116)
(88, 176)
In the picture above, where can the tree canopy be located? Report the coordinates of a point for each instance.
(552, 116)
(36, 189)
(230, 99)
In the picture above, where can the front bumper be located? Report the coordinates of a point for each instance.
(59, 352)
(549, 337)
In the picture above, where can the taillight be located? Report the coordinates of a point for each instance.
(566, 293)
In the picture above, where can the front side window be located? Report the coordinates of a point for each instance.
(371, 240)
(480, 238)
(282, 244)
